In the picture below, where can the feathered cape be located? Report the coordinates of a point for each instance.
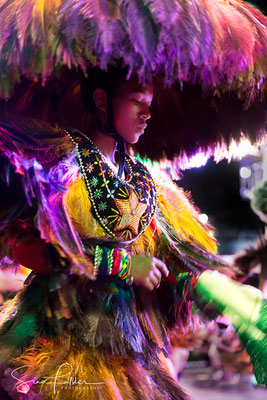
(103, 314)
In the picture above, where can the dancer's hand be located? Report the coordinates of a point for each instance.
(147, 271)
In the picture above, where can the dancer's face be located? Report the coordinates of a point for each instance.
(131, 104)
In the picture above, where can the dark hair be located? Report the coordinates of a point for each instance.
(97, 78)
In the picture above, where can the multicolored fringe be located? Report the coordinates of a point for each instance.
(218, 43)
(83, 374)
(53, 220)
(105, 313)
(110, 321)
(212, 53)
(42, 307)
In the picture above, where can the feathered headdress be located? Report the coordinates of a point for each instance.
(208, 59)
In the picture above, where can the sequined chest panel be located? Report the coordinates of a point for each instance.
(124, 208)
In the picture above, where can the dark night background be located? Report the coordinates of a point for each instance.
(215, 191)
(261, 4)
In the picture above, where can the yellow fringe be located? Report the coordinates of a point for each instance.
(43, 7)
(183, 217)
(78, 205)
(148, 242)
(86, 374)
(43, 355)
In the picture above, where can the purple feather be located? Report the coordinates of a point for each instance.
(7, 13)
(23, 20)
(141, 28)
(104, 16)
(71, 24)
(187, 40)
(166, 12)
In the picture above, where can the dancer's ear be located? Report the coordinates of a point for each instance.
(100, 99)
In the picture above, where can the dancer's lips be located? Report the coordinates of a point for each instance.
(143, 126)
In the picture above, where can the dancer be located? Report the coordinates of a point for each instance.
(119, 324)
(101, 300)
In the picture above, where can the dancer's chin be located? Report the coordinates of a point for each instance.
(135, 137)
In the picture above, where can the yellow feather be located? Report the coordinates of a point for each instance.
(86, 374)
(148, 242)
(42, 356)
(38, 11)
(78, 205)
(42, 8)
(181, 214)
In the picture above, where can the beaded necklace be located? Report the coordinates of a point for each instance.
(124, 208)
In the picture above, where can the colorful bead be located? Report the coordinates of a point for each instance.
(116, 261)
(111, 262)
(97, 260)
(125, 265)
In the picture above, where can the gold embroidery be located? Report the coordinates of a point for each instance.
(131, 211)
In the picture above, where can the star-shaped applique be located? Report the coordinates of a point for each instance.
(131, 210)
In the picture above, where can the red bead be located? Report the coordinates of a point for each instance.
(116, 261)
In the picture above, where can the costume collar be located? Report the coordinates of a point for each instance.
(124, 208)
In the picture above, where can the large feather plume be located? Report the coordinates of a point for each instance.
(213, 53)
(216, 42)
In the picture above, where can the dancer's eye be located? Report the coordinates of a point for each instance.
(136, 101)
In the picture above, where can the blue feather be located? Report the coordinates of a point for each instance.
(127, 321)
